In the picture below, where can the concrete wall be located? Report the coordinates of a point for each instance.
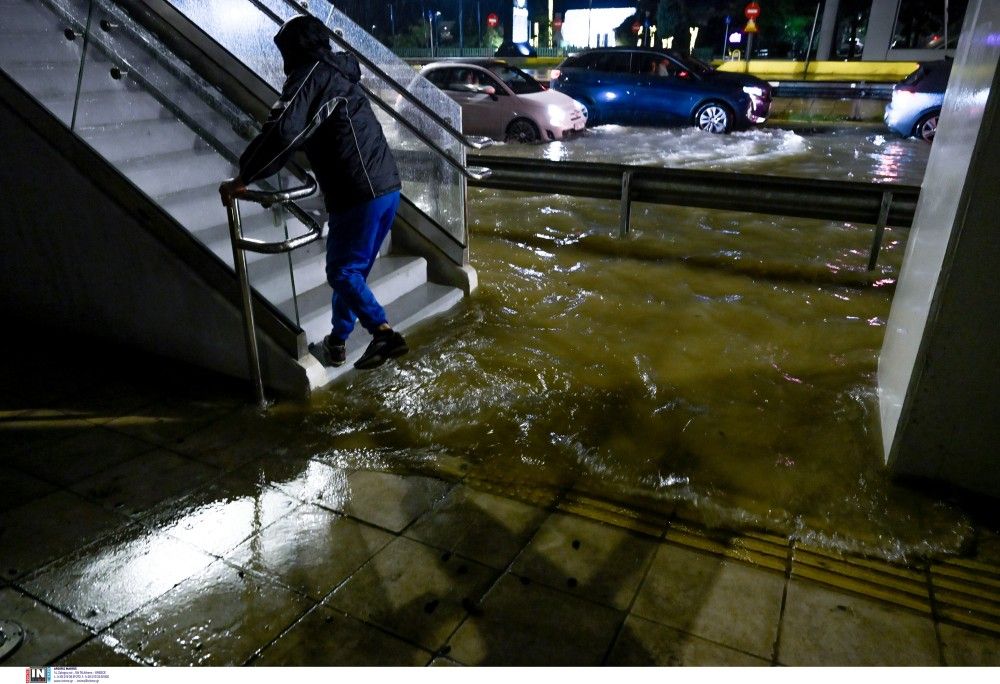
(74, 259)
(938, 369)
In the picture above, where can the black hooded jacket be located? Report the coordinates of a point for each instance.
(322, 111)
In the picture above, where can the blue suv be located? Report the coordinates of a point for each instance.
(646, 87)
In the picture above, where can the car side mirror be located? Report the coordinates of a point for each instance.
(489, 90)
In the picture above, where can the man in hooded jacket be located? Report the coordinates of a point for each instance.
(323, 111)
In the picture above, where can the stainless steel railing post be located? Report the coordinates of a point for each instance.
(241, 244)
(249, 327)
(626, 206)
(883, 220)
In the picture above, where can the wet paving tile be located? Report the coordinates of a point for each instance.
(484, 527)
(648, 644)
(115, 575)
(525, 625)
(88, 452)
(391, 501)
(100, 651)
(29, 431)
(50, 527)
(596, 561)
(326, 638)
(306, 480)
(311, 550)
(231, 442)
(168, 423)
(414, 591)
(221, 515)
(965, 648)
(17, 488)
(220, 616)
(822, 627)
(47, 634)
(145, 481)
(722, 601)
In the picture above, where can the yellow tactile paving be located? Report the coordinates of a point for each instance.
(967, 593)
(761, 550)
(643, 522)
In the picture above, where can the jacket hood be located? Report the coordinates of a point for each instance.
(345, 63)
(304, 40)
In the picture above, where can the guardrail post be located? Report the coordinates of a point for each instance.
(249, 329)
(626, 206)
(883, 219)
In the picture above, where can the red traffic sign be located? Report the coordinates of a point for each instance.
(492, 20)
(635, 27)
(557, 23)
(751, 11)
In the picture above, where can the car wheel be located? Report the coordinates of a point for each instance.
(522, 131)
(926, 127)
(714, 118)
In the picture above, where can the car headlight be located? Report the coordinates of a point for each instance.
(753, 91)
(557, 115)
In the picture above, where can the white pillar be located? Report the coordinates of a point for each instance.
(829, 22)
(939, 369)
(878, 35)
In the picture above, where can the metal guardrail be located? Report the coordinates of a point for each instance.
(241, 244)
(874, 203)
(832, 90)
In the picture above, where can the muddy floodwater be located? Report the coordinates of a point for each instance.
(716, 365)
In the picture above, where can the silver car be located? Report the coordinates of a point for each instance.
(916, 101)
(504, 103)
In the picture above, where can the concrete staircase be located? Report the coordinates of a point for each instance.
(178, 166)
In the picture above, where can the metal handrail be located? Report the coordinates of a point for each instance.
(472, 142)
(241, 245)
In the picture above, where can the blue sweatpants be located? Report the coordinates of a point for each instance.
(351, 248)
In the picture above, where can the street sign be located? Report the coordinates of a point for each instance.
(557, 22)
(635, 27)
(492, 20)
(751, 27)
(751, 11)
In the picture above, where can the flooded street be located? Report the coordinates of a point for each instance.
(715, 364)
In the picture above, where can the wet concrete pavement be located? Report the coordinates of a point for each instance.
(149, 517)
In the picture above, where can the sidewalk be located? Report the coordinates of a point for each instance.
(153, 517)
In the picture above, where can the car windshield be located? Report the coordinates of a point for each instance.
(518, 81)
(693, 64)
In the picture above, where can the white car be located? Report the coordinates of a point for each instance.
(504, 103)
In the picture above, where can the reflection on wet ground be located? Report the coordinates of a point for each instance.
(151, 516)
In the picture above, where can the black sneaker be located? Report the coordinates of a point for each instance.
(382, 348)
(335, 350)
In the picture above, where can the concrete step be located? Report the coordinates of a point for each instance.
(391, 278)
(25, 17)
(47, 44)
(46, 80)
(164, 174)
(121, 142)
(98, 108)
(387, 285)
(404, 314)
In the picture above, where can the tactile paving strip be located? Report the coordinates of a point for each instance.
(958, 591)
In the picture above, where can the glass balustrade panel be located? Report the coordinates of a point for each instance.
(41, 48)
(247, 29)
